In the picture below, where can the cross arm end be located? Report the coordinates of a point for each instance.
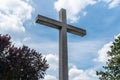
(76, 30)
(48, 22)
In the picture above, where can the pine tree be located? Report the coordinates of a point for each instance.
(112, 68)
(20, 63)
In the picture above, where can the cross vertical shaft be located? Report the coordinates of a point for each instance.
(63, 52)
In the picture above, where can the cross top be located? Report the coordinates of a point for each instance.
(62, 16)
(63, 28)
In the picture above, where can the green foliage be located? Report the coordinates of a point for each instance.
(112, 69)
(20, 63)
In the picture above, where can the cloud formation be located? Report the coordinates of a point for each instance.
(76, 9)
(112, 3)
(13, 13)
(50, 77)
(53, 60)
(79, 74)
(74, 72)
(102, 53)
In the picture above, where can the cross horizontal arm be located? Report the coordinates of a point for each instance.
(58, 25)
(76, 31)
(48, 22)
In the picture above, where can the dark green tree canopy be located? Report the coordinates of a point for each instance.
(112, 69)
(20, 63)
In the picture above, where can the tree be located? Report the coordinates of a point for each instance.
(112, 69)
(20, 63)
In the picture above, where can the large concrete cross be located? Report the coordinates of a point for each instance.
(63, 28)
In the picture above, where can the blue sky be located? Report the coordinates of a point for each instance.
(87, 54)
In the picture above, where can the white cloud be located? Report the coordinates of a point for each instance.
(74, 72)
(107, 1)
(13, 13)
(74, 8)
(102, 53)
(50, 77)
(79, 74)
(114, 3)
(53, 61)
